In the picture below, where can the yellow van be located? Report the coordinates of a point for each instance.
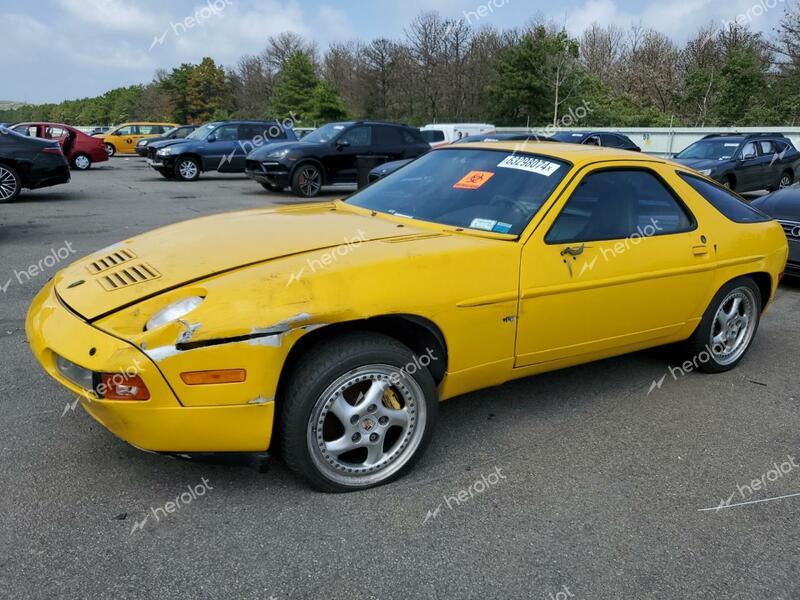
(122, 139)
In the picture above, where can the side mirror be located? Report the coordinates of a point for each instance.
(211, 138)
(342, 144)
(750, 156)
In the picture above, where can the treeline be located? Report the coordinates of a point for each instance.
(447, 70)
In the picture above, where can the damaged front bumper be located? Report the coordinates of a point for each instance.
(176, 417)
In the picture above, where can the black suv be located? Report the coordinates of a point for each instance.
(744, 162)
(330, 155)
(607, 139)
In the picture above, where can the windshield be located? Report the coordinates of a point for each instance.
(203, 132)
(432, 135)
(325, 133)
(711, 150)
(487, 190)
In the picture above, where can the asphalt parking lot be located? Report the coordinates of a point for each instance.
(588, 483)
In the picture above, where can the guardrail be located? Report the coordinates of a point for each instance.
(668, 141)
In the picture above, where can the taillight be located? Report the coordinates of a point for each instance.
(120, 386)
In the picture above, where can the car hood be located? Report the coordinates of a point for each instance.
(699, 164)
(262, 152)
(158, 144)
(783, 204)
(172, 256)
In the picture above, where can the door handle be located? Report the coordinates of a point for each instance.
(700, 250)
(573, 251)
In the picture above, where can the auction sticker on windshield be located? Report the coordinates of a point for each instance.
(473, 180)
(530, 164)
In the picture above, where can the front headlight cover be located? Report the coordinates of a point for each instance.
(706, 172)
(279, 154)
(164, 152)
(173, 312)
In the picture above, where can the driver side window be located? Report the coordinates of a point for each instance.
(618, 204)
(749, 151)
(360, 135)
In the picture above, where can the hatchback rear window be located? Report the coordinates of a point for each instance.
(725, 201)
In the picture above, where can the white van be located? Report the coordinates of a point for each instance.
(442, 134)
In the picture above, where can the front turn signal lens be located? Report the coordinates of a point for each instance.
(214, 377)
(119, 386)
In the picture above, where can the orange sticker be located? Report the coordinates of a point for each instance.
(473, 180)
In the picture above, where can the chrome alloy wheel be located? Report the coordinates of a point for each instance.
(733, 326)
(82, 162)
(187, 169)
(786, 181)
(310, 181)
(8, 184)
(366, 425)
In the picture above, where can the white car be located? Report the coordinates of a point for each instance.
(442, 134)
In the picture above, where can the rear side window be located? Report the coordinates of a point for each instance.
(725, 201)
(411, 136)
(618, 204)
(388, 136)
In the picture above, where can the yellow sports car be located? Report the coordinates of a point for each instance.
(333, 330)
(122, 139)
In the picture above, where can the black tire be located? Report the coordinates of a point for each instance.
(309, 388)
(270, 187)
(110, 149)
(10, 183)
(703, 350)
(81, 162)
(787, 179)
(307, 181)
(186, 169)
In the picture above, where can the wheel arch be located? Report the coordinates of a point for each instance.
(764, 282)
(418, 333)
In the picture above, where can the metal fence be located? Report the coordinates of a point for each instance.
(667, 141)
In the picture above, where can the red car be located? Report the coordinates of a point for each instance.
(80, 149)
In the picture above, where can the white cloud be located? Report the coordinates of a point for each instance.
(112, 14)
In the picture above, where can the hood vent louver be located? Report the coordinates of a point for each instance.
(128, 276)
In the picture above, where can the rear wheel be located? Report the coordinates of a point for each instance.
(787, 179)
(358, 411)
(307, 181)
(10, 183)
(110, 149)
(187, 169)
(728, 327)
(81, 162)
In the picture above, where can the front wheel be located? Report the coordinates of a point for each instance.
(187, 169)
(110, 149)
(786, 180)
(307, 181)
(728, 327)
(358, 411)
(81, 162)
(10, 184)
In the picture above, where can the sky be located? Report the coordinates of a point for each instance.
(61, 49)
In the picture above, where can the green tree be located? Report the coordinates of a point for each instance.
(294, 94)
(326, 104)
(207, 92)
(742, 77)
